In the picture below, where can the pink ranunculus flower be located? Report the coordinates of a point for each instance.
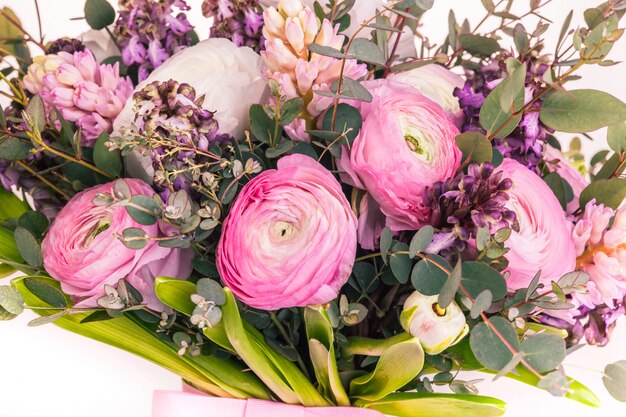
(84, 91)
(557, 162)
(601, 250)
(406, 143)
(437, 83)
(290, 237)
(81, 249)
(544, 241)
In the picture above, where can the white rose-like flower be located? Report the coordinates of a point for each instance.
(229, 78)
(437, 83)
(100, 44)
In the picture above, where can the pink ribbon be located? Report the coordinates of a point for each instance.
(186, 404)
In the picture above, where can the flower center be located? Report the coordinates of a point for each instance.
(587, 257)
(414, 145)
(102, 225)
(438, 310)
(282, 231)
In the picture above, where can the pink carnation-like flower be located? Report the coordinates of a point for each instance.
(557, 162)
(406, 143)
(290, 237)
(81, 249)
(544, 241)
(601, 252)
(85, 92)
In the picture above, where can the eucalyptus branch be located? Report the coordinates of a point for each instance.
(21, 29)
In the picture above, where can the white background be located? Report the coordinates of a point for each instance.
(46, 371)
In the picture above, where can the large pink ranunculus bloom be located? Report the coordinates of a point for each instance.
(406, 144)
(601, 250)
(83, 253)
(84, 91)
(544, 241)
(290, 237)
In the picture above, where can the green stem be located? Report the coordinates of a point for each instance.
(285, 335)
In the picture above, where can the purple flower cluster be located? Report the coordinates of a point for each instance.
(525, 143)
(180, 133)
(68, 45)
(241, 21)
(594, 325)
(464, 203)
(148, 33)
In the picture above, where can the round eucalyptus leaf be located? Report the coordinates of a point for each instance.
(487, 346)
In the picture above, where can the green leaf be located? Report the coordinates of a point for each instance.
(217, 376)
(11, 207)
(210, 290)
(278, 373)
(5, 315)
(450, 287)
(400, 264)
(425, 404)
(386, 240)
(134, 238)
(480, 46)
(614, 380)
(428, 278)
(35, 222)
(556, 184)
(175, 293)
(279, 150)
(616, 138)
(581, 111)
(41, 288)
(475, 146)
(14, 149)
(543, 351)
(107, 160)
(290, 110)
(350, 89)
(322, 351)
(478, 277)
(348, 120)
(37, 112)
(11, 300)
(513, 85)
(99, 14)
(610, 192)
(28, 247)
(493, 119)
(481, 303)
(397, 366)
(8, 250)
(143, 209)
(593, 17)
(367, 51)
(488, 348)
(10, 35)
(261, 125)
(328, 51)
(520, 38)
(421, 240)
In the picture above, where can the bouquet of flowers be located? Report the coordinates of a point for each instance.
(318, 206)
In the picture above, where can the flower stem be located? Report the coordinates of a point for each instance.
(285, 335)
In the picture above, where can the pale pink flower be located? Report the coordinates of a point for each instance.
(544, 240)
(289, 30)
(81, 249)
(602, 254)
(85, 92)
(290, 237)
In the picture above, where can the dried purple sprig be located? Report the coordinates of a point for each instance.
(461, 205)
(148, 32)
(241, 21)
(68, 45)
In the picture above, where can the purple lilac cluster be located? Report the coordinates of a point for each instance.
(525, 143)
(594, 325)
(13, 175)
(68, 45)
(180, 133)
(466, 202)
(148, 32)
(241, 21)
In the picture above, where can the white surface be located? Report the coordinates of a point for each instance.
(46, 371)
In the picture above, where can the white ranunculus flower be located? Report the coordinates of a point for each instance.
(437, 83)
(100, 43)
(437, 328)
(363, 10)
(230, 78)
